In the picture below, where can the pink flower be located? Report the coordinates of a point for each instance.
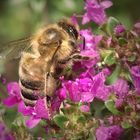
(4, 134)
(74, 19)
(89, 49)
(109, 40)
(109, 133)
(88, 86)
(40, 111)
(135, 71)
(36, 113)
(137, 25)
(85, 108)
(121, 88)
(94, 58)
(119, 29)
(14, 94)
(95, 11)
(91, 41)
(79, 90)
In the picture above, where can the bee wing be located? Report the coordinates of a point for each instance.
(13, 50)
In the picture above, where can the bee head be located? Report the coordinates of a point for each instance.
(69, 27)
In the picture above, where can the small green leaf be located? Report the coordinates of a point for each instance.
(96, 108)
(132, 58)
(111, 23)
(91, 136)
(126, 125)
(60, 120)
(105, 52)
(122, 41)
(110, 59)
(9, 116)
(110, 105)
(126, 74)
(114, 76)
(81, 119)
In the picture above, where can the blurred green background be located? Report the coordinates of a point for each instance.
(19, 18)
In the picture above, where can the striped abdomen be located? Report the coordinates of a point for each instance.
(31, 91)
(35, 85)
(31, 80)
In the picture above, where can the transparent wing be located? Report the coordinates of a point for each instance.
(13, 50)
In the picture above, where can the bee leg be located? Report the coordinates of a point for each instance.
(79, 57)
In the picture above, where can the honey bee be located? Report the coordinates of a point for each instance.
(52, 48)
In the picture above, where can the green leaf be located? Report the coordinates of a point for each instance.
(91, 136)
(92, 132)
(122, 41)
(114, 76)
(110, 59)
(110, 105)
(9, 116)
(60, 120)
(132, 58)
(105, 52)
(126, 125)
(111, 23)
(127, 75)
(96, 108)
(128, 109)
(81, 119)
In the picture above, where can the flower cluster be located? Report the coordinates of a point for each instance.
(36, 113)
(103, 94)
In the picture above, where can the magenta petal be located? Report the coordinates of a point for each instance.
(87, 97)
(91, 41)
(13, 89)
(10, 101)
(109, 40)
(42, 109)
(121, 88)
(86, 19)
(98, 38)
(62, 94)
(32, 122)
(106, 4)
(137, 25)
(85, 108)
(74, 94)
(55, 104)
(95, 11)
(74, 19)
(119, 29)
(109, 133)
(94, 57)
(135, 71)
(25, 110)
